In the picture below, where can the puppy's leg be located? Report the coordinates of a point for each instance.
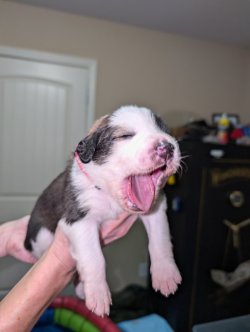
(165, 274)
(43, 240)
(86, 250)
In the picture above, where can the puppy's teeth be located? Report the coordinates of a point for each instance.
(130, 204)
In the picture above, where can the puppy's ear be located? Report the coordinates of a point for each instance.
(86, 148)
(99, 123)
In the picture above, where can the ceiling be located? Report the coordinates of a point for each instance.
(226, 21)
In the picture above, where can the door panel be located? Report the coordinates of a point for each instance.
(44, 113)
(32, 135)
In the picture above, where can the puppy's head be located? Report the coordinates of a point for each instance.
(132, 154)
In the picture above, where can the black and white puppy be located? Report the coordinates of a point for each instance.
(116, 175)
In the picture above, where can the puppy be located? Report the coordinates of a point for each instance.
(115, 176)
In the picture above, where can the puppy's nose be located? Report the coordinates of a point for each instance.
(165, 149)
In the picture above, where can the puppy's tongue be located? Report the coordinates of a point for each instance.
(141, 191)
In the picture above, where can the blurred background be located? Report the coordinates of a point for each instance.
(63, 64)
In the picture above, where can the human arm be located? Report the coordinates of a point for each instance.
(24, 304)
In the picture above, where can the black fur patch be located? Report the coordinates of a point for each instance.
(73, 213)
(97, 146)
(86, 148)
(48, 210)
(57, 201)
(160, 124)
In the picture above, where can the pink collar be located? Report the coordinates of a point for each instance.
(80, 164)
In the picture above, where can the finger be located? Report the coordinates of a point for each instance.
(25, 256)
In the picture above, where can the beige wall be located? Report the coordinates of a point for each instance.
(163, 71)
(159, 70)
(246, 114)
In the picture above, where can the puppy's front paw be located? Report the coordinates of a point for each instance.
(165, 277)
(97, 298)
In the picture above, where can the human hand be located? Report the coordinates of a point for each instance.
(23, 305)
(12, 235)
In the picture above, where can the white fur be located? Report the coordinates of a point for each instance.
(165, 274)
(86, 249)
(43, 241)
(104, 205)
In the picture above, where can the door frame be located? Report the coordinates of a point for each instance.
(61, 59)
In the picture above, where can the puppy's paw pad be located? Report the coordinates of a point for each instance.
(165, 278)
(98, 298)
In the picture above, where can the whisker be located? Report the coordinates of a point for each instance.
(183, 168)
(186, 156)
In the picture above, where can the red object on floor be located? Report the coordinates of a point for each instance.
(78, 306)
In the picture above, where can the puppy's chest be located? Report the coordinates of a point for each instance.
(99, 203)
(111, 230)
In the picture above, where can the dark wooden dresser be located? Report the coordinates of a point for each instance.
(209, 208)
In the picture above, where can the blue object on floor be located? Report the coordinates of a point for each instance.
(150, 323)
(47, 317)
(46, 323)
(236, 324)
(47, 328)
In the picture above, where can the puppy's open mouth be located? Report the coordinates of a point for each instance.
(141, 189)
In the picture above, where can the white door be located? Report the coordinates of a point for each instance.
(46, 106)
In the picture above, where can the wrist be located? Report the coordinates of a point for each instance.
(61, 268)
(61, 253)
(51, 275)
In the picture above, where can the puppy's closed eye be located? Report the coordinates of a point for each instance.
(124, 136)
